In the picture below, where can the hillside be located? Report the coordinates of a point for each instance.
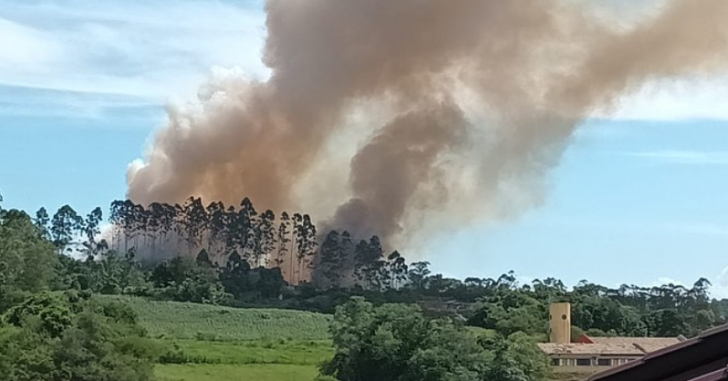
(174, 320)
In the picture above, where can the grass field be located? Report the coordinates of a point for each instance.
(174, 320)
(217, 372)
(281, 352)
(212, 343)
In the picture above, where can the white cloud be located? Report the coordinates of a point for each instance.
(150, 50)
(720, 285)
(24, 48)
(158, 49)
(661, 281)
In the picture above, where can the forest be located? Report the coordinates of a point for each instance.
(52, 265)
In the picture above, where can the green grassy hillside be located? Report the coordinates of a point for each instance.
(272, 372)
(175, 320)
(211, 343)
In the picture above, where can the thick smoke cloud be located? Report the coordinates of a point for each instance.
(482, 98)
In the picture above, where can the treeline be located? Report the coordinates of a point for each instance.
(500, 304)
(161, 231)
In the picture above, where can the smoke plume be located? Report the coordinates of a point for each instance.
(480, 98)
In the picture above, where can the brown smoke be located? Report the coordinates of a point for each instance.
(488, 88)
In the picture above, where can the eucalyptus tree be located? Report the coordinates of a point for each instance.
(419, 273)
(216, 226)
(127, 221)
(65, 226)
(233, 240)
(41, 222)
(138, 225)
(195, 222)
(346, 262)
(115, 219)
(360, 260)
(167, 223)
(283, 239)
(310, 245)
(397, 269)
(297, 244)
(267, 237)
(247, 217)
(91, 230)
(155, 213)
(369, 257)
(329, 259)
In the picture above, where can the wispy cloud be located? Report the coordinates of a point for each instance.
(684, 157)
(22, 102)
(157, 49)
(122, 52)
(720, 285)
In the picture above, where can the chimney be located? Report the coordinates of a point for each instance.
(560, 323)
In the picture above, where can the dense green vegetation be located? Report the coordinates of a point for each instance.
(176, 320)
(235, 372)
(73, 307)
(398, 343)
(61, 337)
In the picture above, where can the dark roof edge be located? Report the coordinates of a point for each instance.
(718, 375)
(661, 352)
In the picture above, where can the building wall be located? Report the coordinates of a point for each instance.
(560, 323)
(571, 364)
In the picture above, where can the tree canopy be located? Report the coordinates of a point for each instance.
(396, 342)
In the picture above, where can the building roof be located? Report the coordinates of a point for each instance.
(703, 358)
(554, 349)
(644, 344)
(615, 346)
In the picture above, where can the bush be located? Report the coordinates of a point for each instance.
(53, 338)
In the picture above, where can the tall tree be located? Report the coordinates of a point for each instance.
(297, 245)
(308, 244)
(91, 229)
(283, 239)
(329, 259)
(346, 260)
(397, 269)
(247, 227)
(418, 274)
(369, 264)
(65, 225)
(155, 213)
(216, 226)
(115, 219)
(195, 222)
(27, 260)
(41, 221)
(266, 237)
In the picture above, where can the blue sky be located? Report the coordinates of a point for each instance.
(640, 196)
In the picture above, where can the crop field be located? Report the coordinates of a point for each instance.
(197, 360)
(211, 343)
(282, 352)
(173, 320)
(271, 372)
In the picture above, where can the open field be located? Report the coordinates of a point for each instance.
(175, 320)
(225, 372)
(212, 343)
(252, 352)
